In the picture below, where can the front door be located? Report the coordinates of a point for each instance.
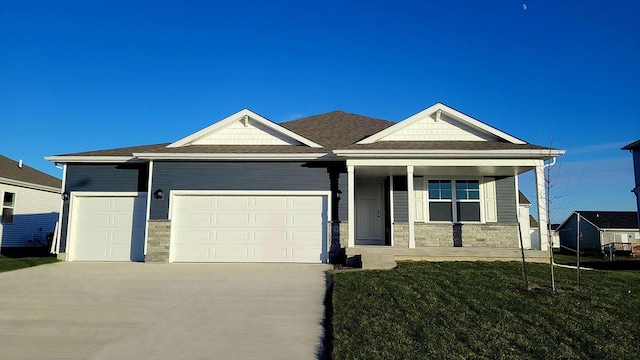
(369, 215)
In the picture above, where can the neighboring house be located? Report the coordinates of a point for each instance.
(30, 205)
(524, 220)
(634, 147)
(246, 189)
(599, 229)
(555, 236)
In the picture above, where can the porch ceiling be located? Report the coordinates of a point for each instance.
(452, 171)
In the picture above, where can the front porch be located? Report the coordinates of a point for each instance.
(463, 210)
(385, 257)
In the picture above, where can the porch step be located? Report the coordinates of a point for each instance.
(378, 261)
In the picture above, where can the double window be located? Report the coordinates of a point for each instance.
(454, 200)
(8, 204)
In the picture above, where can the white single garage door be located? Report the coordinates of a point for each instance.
(249, 228)
(107, 228)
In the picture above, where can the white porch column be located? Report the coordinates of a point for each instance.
(411, 208)
(542, 207)
(351, 206)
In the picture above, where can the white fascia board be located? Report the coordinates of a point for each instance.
(88, 159)
(445, 162)
(218, 156)
(450, 153)
(449, 111)
(29, 185)
(229, 119)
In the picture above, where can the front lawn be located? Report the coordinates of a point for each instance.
(467, 310)
(9, 264)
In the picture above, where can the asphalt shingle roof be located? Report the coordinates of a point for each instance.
(633, 146)
(9, 169)
(337, 129)
(333, 130)
(611, 219)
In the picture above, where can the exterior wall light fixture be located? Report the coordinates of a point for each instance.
(158, 194)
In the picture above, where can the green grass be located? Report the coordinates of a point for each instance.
(477, 310)
(9, 264)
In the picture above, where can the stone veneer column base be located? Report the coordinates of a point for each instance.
(473, 235)
(158, 241)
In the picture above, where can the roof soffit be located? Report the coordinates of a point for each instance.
(441, 123)
(244, 128)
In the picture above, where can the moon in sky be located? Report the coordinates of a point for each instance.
(524, 6)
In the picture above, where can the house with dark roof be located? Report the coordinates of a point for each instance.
(634, 147)
(599, 229)
(30, 206)
(439, 184)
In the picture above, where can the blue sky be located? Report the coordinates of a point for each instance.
(79, 75)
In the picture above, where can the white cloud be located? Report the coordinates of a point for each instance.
(597, 148)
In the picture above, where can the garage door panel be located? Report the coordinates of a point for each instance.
(262, 228)
(268, 237)
(307, 203)
(192, 236)
(272, 254)
(271, 219)
(270, 202)
(194, 202)
(231, 202)
(232, 254)
(232, 218)
(194, 219)
(231, 237)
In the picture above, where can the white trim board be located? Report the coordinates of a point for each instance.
(245, 113)
(454, 114)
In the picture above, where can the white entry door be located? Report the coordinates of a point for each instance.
(249, 228)
(107, 228)
(369, 214)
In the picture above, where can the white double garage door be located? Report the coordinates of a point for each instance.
(205, 227)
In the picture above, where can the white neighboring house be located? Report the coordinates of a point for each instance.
(30, 205)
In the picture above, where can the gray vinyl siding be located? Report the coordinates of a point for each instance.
(343, 205)
(506, 200)
(233, 176)
(101, 178)
(400, 199)
(107, 177)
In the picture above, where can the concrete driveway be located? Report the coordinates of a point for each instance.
(162, 311)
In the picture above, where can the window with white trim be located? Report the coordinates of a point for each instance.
(467, 199)
(440, 200)
(454, 200)
(8, 203)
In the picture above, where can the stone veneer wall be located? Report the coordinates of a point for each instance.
(158, 241)
(473, 235)
(339, 241)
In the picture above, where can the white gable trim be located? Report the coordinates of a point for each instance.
(235, 117)
(439, 107)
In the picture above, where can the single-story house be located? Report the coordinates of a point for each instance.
(599, 229)
(30, 206)
(246, 189)
(634, 147)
